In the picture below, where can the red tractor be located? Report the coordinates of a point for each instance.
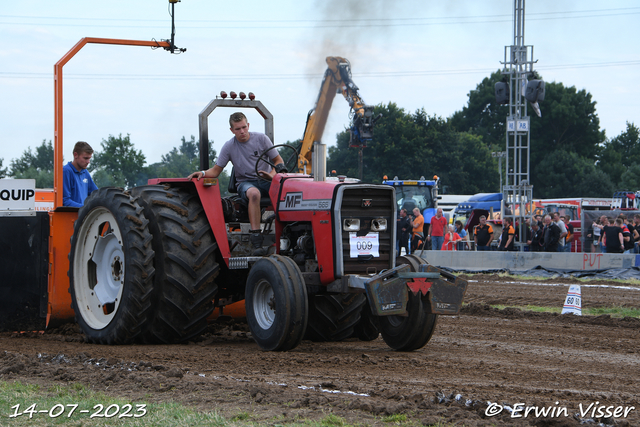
(151, 264)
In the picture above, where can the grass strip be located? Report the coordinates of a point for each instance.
(618, 312)
(58, 401)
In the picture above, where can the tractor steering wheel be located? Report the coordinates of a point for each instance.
(264, 158)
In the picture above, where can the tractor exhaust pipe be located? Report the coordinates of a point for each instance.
(319, 161)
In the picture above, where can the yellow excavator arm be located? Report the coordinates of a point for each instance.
(336, 78)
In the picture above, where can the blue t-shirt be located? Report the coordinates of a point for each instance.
(76, 186)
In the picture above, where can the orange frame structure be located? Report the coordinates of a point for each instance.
(61, 219)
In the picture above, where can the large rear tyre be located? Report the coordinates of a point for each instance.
(185, 263)
(276, 303)
(407, 333)
(368, 328)
(111, 268)
(333, 317)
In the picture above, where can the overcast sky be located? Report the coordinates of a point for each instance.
(419, 54)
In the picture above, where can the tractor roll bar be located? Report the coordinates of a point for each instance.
(203, 122)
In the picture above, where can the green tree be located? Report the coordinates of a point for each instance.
(569, 122)
(182, 161)
(395, 137)
(482, 115)
(565, 174)
(118, 164)
(630, 179)
(413, 145)
(36, 165)
(621, 153)
(3, 171)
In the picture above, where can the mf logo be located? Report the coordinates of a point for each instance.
(292, 200)
(366, 203)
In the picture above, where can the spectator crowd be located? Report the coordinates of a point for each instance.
(548, 233)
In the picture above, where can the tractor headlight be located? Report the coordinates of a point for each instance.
(351, 224)
(379, 224)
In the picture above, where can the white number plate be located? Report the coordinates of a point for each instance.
(364, 245)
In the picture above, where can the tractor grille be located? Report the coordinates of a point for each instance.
(365, 202)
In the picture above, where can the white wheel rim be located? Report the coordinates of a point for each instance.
(264, 304)
(98, 268)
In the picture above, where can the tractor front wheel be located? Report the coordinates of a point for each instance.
(407, 333)
(276, 303)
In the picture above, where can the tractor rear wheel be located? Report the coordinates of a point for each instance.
(185, 263)
(276, 303)
(111, 268)
(407, 333)
(368, 328)
(333, 317)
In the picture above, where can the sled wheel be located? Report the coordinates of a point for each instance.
(333, 317)
(185, 263)
(407, 333)
(111, 268)
(276, 303)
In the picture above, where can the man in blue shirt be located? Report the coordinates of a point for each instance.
(76, 180)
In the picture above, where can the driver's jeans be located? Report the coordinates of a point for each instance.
(260, 184)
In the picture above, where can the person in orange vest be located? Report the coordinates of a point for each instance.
(483, 235)
(508, 237)
(418, 227)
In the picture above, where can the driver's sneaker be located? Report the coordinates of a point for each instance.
(256, 240)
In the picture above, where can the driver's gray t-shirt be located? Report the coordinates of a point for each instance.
(244, 155)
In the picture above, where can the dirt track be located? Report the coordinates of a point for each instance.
(483, 355)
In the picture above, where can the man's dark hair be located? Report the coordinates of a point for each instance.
(235, 118)
(82, 147)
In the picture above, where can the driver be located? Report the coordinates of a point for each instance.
(243, 150)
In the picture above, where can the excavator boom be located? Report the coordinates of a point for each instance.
(337, 77)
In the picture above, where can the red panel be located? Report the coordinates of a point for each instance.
(323, 238)
(311, 189)
(212, 204)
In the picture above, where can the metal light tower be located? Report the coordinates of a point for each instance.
(517, 191)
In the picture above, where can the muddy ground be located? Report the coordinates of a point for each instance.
(551, 362)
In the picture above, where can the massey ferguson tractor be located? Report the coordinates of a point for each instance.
(150, 264)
